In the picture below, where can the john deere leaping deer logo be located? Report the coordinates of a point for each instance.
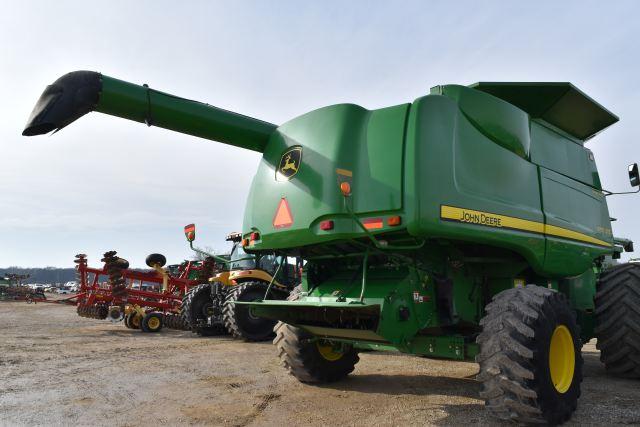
(289, 164)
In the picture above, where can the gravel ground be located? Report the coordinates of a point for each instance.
(57, 368)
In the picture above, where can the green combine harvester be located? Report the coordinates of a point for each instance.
(469, 224)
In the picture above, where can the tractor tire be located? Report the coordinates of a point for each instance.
(152, 322)
(196, 305)
(311, 361)
(617, 311)
(238, 319)
(182, 325)
(171, 320)
(530, 359)
(135, 320)
(126, 320)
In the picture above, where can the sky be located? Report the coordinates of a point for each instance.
(105, 183)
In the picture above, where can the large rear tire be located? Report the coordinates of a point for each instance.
(239, 320)
(530, 359)
(618, 320)
(197, 307)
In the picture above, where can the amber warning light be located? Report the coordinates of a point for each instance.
(345, 188)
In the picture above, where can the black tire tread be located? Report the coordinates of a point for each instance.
(185, 313)
(617, 314)
(507, 346)
(300, 358)
(229, 313)
(145, 319)
(187, 301)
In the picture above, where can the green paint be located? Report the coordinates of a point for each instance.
(142, 104)
(513, 153)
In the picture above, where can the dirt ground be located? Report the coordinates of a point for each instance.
(57, 368)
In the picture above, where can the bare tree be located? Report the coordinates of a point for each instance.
(197, 256)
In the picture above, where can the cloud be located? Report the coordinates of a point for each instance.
(105, 176)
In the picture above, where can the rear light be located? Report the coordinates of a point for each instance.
(372, 223)
(255, 236)
(245, 242)
(326, 225)
(345, 188)
(394, 220)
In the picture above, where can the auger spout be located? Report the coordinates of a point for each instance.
(80, 92)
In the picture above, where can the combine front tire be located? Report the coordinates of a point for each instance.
(151, 322)
(239, 320)
(530, 359)
(618, 320)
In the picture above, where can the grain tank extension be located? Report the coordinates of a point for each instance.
(470, 223)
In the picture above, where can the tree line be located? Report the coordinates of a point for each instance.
(48, 275)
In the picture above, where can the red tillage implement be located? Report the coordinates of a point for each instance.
(146, 300)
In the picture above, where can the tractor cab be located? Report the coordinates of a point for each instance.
(262, 266)
(210, 309)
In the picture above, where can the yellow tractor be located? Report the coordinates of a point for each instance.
(210, 309)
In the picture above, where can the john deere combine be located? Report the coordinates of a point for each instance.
(468, 224)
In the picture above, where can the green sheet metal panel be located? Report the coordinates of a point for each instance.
(577, 224)
(378, 169)
(449, 162)
(496, 119)
(336, 141)
(555, 152)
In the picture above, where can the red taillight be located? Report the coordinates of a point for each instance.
(255, 236)
(326, 225)
(394, 220)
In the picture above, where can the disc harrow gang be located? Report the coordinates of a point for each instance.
(96, 311)
(114, 267)
(146, 300)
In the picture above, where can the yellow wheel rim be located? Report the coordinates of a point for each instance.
(153, 323)
(562, 359)
(135, 321)
(327, 352)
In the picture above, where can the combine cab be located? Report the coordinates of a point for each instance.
(468, 224)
